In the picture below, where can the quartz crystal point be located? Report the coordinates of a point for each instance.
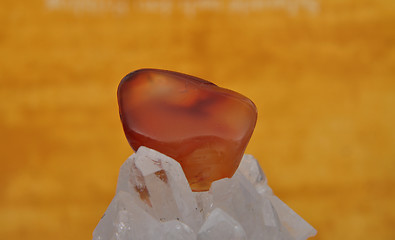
(249, 167)
(154, 202)
(204, 127)
(292, 225)
(296, 226)
(238, 197)
(158, 185)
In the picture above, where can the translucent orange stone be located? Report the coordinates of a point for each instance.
(204, 127)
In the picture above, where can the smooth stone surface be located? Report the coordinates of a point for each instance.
(204, 127)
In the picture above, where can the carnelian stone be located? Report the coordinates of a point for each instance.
(204, 127)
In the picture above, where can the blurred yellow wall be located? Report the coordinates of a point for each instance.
(322, 74)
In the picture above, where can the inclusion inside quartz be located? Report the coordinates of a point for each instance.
(204, 127)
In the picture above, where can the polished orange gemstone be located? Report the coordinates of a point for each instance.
(204, 127)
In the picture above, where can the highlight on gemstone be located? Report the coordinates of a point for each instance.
(204, 127)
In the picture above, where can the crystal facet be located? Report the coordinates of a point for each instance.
(240, 200)
(219, 225)
(296, 226)
(249, 168)
(204, 127)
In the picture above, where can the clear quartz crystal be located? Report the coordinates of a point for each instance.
(159, 184)
(296, 226)
(249, 167)
(219, 225)
(154, 201)
(125, 220)
(292, 225)
(238, 197)
(205, 203)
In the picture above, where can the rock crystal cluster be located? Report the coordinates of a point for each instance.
(154, 201)
(193, 185)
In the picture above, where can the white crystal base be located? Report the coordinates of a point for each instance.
(154, 201)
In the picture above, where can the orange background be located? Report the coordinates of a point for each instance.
(322, 77)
